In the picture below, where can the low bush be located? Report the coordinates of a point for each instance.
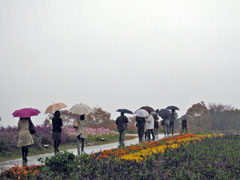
(60, 165)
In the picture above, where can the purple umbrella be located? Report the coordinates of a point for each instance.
(26, 112)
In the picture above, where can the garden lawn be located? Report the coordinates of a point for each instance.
(33, 151)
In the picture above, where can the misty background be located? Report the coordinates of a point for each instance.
(118, 54)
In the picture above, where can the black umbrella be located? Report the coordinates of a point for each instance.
(164, 113)
(172, 108)
(125, 111)
(148, 109)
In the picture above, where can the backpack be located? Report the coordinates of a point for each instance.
(75, 124)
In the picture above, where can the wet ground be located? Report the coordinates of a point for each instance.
(33, 160)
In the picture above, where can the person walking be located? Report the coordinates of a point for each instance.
(166, 127)
(121, 123)
(173, 118)
(25, 139)
(150, 127)
(56, 130)
(81, 132)
(184, 119)
(156, 124)
(140, 125)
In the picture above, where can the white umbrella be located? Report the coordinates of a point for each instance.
(80, 109)
(141, 113)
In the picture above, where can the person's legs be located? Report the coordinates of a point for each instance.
(58, 144)
(123, 137)
(156, 132)
(168, 129)
(26, 153)
(78, 145)
(165, 130)
(55, 146)
(120, 137)
(148, 135)
(82, 148)
(172, 127)
(140, 133)
(23, 153)
(151, 130)
(145, 135)
(182, 128)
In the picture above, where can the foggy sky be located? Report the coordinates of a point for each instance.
(118, 54)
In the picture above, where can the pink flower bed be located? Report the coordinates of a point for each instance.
(91, 131)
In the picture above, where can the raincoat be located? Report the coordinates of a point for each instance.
(81, 130)
(24, 136)
(149, 122)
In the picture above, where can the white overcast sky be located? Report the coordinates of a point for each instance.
(118, 54)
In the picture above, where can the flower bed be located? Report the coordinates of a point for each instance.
(23, 173)
(141, 151)
(91, 131)
(182, 157)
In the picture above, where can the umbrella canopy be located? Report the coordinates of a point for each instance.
(164, 113)
(172, 108)
(26, 112)
(147, 108)
(80, 109)
(125, 111)
(141, 113)
(54, 107)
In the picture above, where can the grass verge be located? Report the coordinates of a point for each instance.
(33, 151)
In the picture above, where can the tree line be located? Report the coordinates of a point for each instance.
(213, 117)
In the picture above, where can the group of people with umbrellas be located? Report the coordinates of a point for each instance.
(147, 122)
(26, 128)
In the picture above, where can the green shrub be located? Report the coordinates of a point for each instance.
(61, 164)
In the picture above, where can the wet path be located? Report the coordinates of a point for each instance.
(33, 160)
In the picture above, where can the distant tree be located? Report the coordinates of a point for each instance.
(100, 118)
(67, 118)
(132, 122)
(199, 117)
(215, 117)
(47, 122)
(224, 117)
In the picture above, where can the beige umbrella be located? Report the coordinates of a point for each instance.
(80, 109)
(55, 107)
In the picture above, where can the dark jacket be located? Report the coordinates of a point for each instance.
(140, 121)
(173, 117)
(57, 124)
(156, 124)
(184, 122)
(122, 123)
